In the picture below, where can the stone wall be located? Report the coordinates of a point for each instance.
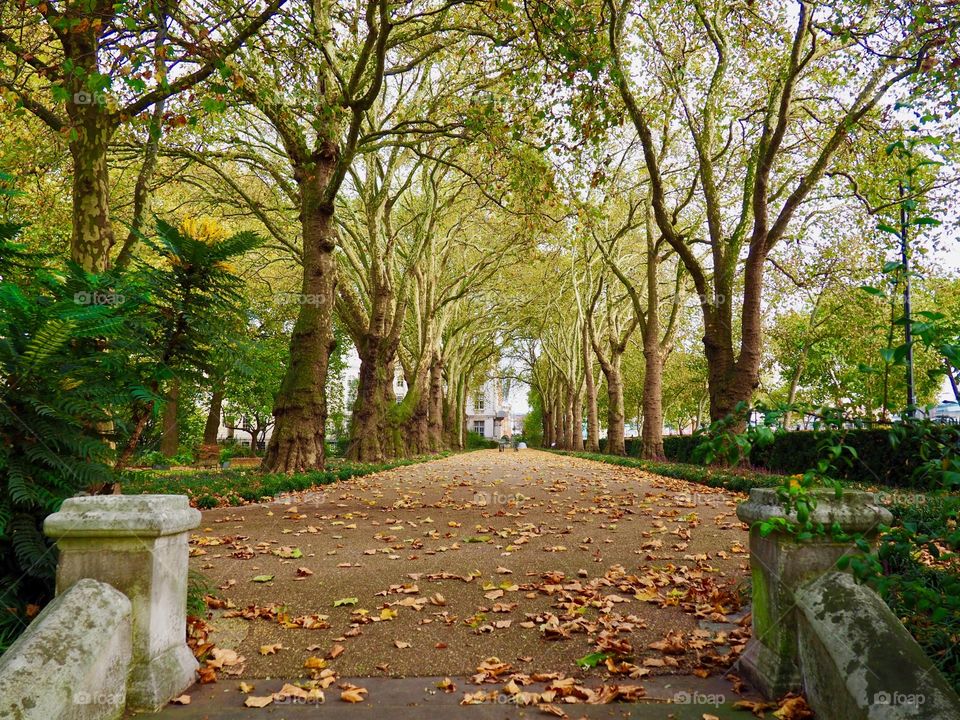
(72, 661)
(816, 630)
(114, 638)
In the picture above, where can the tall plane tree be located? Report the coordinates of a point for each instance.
(761, 141)
(87, 67)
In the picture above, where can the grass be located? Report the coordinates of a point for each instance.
(209, 488)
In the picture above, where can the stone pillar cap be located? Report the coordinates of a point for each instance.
(122, 516)
(855, 511)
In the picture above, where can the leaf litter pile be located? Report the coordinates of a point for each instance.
(584, 578)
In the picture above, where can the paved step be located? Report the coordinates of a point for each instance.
(671, 698)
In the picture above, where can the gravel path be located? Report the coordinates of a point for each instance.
(533, 558)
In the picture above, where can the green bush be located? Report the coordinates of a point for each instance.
(736, 479)
(792, 453)
(476, 441)
(57, 385)
(215, 488)
(924, 592)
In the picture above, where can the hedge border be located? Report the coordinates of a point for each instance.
(231, 488)
(736, 480)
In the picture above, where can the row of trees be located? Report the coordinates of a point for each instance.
(592, 194)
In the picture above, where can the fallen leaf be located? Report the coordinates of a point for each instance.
(401, 644)
(447, 685)
(253, 701)
(181, 700)
(262, 578)
(345, 601)
(353, 694)
(270, 649)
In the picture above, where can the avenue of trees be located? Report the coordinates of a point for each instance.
(650, 212)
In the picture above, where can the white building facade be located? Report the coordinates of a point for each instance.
(490, 413)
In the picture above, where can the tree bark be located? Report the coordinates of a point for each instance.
(651, 440)
(547, 420)
(298, 440)
(615, 410)
(212, 426)
(170, 439)
(435, 421)
(369, 416)
(593, 422)
(92, 234)
(577, 421)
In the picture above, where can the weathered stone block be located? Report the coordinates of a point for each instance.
(71, 662)
(859, 662)
(137, 544)
(780, 564)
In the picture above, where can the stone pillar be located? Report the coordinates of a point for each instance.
(780, 565)
(137, 544)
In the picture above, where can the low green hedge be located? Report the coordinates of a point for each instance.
(728, 478)
(217, 488)
(476, 441)
(793, 453)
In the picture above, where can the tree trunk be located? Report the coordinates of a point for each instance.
(794, 385)
(651, 441)
(298, 440)
(92, 235)
(593, 422)
(547, 421)
(577, 421)
(170, 439)
(212, 426)
(732, 379)
(615, 410)
(369, 417)
(435, 423)
(416, 428)
(462, 413)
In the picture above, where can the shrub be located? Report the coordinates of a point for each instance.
(878, 459)
(476, 441)
(57, 384)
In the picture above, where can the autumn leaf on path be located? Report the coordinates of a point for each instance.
(401, 645)
(182, 700)
(447, 685)
(288, 552)
(262, 578)
(551, 709)
(346, 601)
(793, 707)
(270, 649)
(353, 693)
(245, 688)
(253, 701)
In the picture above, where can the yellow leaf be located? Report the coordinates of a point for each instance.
(353, 694)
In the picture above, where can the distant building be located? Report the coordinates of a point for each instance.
(489, 411)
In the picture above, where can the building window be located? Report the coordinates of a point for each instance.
(478, 402)
(478, 427)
